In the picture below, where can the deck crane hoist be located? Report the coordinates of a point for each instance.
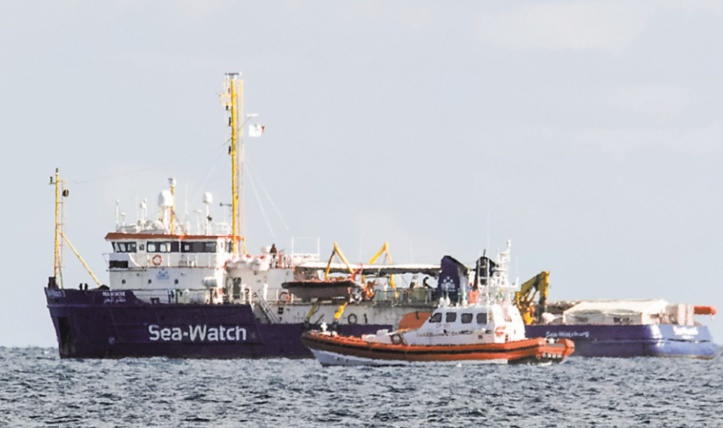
(529, 291)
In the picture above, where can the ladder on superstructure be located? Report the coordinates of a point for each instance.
(266, 309)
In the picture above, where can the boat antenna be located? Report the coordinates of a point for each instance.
(487, 278)
(234, 91)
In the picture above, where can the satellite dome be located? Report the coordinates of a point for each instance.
(165, 199)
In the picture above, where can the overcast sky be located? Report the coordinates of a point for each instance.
(587, 133)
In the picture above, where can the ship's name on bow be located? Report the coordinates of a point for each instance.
(114, 297)
(685, 331)
(197, 333)
(567, 334)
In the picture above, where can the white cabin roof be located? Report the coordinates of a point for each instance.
(618, 307)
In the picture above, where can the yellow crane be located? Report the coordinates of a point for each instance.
(337, 252)
(368, 289)
(529, 290)
(388, 258)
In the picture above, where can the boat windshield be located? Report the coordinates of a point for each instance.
(465, 317)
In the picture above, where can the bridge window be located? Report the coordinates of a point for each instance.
(199, 247)
(124, 247)
(161, 247)
(482, 318)
(466, 318)
(436, 317)
(451, 317)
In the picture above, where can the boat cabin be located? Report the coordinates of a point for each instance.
(464, 324)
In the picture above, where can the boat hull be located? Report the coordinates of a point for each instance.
(114, 324)
(625, 341)
(335, 349)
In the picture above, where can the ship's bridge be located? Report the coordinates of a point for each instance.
(152, 250)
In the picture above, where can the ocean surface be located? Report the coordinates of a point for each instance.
(39, 389)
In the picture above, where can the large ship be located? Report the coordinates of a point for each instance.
(629, 328)
(617, 327)
(178, 291)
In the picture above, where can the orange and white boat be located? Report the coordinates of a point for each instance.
(491, 330)
(452, 334)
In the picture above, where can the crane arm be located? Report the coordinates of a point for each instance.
(337, 251)
(388, 256)
(529, 290)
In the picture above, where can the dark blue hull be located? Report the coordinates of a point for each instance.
(114, 324)
(632, 340)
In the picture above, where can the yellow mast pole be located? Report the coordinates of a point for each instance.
(56, 258)
(234, 87)
(60, 237)
(242, 163)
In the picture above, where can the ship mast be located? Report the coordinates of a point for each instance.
(57, 257)
(61, 192)
(234, 91)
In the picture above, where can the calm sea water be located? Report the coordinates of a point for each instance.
(40, 389)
